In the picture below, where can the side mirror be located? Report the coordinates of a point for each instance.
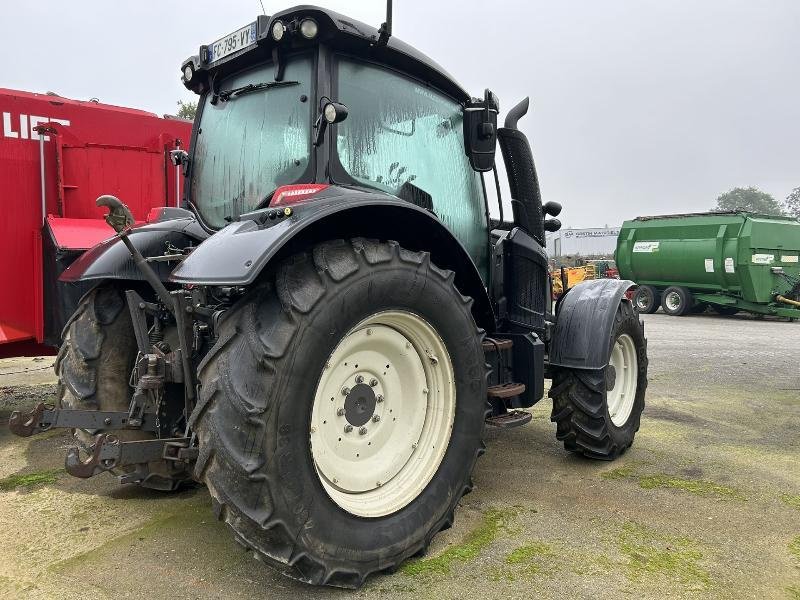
(330, 112)
(480, 131)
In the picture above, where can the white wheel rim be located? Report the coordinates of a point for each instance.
(392, 369)
(673, 300)
(621, 396)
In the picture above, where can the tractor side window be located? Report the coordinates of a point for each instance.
(407, 139)
(252, 142)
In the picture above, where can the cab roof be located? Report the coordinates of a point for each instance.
(340, 32)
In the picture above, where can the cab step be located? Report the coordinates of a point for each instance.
(513, 418)
(505, 390)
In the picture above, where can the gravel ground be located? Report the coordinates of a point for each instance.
(705, 504)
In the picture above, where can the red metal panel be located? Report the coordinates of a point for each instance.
(79, 234)
(96, 149)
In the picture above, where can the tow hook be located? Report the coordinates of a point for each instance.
(108, 452)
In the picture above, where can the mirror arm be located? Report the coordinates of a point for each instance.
(280, 64)
(320, 126)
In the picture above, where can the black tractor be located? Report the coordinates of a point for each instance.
(323, 331)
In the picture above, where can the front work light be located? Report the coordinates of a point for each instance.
(334, 112)
(278, 29)
(188, 72)
(308, 28)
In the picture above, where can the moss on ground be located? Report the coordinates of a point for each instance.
(618, 473)
(192, 521)
(651, 553)
(28, 480)
(525, 561)
(698, 487)
(794, 549)
(791, 500)
(527, 553)
(494, 521)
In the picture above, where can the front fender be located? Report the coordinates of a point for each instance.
(584, 322)
(237, 254)
(110, 259)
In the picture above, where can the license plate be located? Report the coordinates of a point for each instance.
(233, 42)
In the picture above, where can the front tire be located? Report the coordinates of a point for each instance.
(294, 367)
(597, 413)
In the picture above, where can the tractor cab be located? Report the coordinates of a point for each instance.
(308, 98)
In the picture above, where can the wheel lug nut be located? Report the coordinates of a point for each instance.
(362, 431)
(348, 428)
(359, 379)
(379, 398)
(373, 382)
(376, 418)
(340, 412)
(345, 391)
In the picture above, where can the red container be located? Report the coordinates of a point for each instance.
(88, 149)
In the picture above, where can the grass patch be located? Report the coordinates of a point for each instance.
(791, 500)
(698, 487)
(525, 561)
(494, 521)
(793, 592)
(618, 473)
(650, 553)
(28, 480)
(794, 549)
(527, 553)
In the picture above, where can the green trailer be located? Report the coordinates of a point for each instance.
(728, 261)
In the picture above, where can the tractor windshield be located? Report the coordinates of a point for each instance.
(252, 138)
(407, 139)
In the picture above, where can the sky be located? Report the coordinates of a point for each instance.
(638, 106)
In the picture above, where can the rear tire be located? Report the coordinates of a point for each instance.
(94, 365)
(646, 300)
(597, 413)
(259, 417)
(676, 301)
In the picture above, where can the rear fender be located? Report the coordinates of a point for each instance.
(238, 254)
(584, 322)
(110, 259)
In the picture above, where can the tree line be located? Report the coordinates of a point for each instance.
(752, 199)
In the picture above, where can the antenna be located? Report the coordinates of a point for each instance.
(385, 32)
(262, 6)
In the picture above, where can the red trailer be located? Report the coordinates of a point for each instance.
(56, 157)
